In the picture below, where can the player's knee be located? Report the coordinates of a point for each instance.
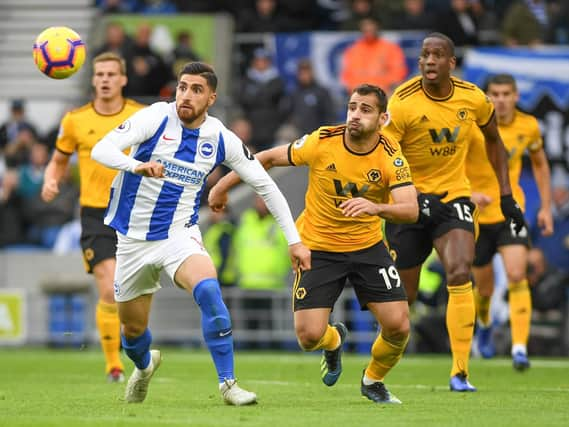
(398, 329)
(133, 330)
(308, 338)
(458, 273)
(516, 275)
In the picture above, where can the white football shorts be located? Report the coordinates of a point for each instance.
(139, 262)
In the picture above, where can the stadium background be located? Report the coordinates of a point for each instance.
(28, 277)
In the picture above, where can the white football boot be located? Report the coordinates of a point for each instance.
(235, 395)
(137, 385)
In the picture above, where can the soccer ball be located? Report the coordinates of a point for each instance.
(59, 52)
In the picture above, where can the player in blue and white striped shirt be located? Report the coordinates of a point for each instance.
(154, 209)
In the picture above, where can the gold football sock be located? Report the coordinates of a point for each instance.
(384, 355)
(482, 308)
(329, 341)
(520, 311)
(460, 325)
(108, 324)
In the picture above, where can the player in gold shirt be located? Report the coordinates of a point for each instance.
(353, 169)
(433, 117)
(519, 132)
(80, 130)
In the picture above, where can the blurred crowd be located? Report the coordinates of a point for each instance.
(518, 22)
(264, 110)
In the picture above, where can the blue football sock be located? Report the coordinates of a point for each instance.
(216, 327)
(138, 349)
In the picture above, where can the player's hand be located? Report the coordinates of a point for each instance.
(217, 199)
(481, 199)
(358, 206)
(300, 256)
(512, 211)
(150, 169)
(49, 190)
(432, 211)
(545, 221)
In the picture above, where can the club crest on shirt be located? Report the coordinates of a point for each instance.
(374, 175)
(123, 127)
(206, 149)
(462, 114)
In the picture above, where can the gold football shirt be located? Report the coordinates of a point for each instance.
(521, 134)
(336, 174)
(80, 130)
(434, 133)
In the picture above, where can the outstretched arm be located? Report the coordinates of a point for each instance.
(53, 173)
(498, 157)
(404, 208)
(217, 197)
(109, 154)
(542, 177)
(254, 173)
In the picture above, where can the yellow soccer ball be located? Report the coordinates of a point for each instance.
(59, 52)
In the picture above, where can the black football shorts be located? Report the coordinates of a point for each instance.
(371, 272)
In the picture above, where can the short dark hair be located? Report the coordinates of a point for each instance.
(366, 89)
(200, 69)
(445, 38)
(501, 79)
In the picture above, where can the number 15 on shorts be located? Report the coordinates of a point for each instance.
(390, 274)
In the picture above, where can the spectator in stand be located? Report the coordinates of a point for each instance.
(149, 73)
(262, 266)
(241, 127)
(549, 284)
(182, 53)
(17, 152)
(118, 6)
(560, 22)
(261, 97)
(527, 23)
(156, 7)
(310, 104)
(301, 15)
(358, 10)
(16, 135)
(218, 240)
(45, 220)
(41, 220)
(265, 17)
(414, 16)
(11, 224)
(459, 23)
(116, 41)
(184, 49)
(372, 59)
(556, 247)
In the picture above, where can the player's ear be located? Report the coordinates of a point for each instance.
(212, 98)
(383, 118)
(124, 80)
(452, 63)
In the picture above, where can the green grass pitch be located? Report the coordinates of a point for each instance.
(45, 388)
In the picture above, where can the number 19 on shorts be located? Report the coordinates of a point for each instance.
(388, 274)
